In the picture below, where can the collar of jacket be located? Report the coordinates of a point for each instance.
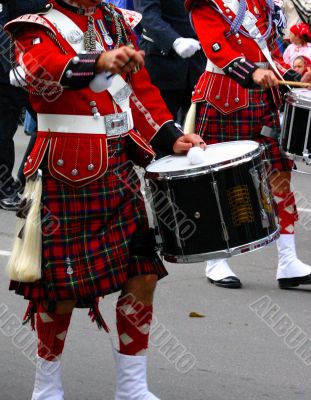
(76, 8)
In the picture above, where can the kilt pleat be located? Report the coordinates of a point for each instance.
(87, 233)
(245, 124)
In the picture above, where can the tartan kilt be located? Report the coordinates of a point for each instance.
(87, 235)
(245, 124)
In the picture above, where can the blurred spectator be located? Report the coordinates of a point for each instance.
(30, 125)
(296, 11)
(301, 64)
(173, 56)
(300, 38)
(12, 99)
(128, 4)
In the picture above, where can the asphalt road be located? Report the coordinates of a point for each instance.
(251, 344)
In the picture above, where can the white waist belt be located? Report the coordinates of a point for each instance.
(110, 125)
(211, 67)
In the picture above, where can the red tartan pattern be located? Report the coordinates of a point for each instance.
(52, 331)
(87, 255)
(245, 124)
(133, 324)
(288, 213)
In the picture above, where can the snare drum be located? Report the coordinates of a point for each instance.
(216, 209)
(295, 136)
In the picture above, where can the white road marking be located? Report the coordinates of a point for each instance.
(307, 210)
(5, 253)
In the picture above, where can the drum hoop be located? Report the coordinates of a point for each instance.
(234, 251)
(297, 102)
(186, 173)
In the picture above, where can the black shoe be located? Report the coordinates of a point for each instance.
(231, 282)
(11, 203)
(287, 283)
(9, 188)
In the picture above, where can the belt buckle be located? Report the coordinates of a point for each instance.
(116, 124)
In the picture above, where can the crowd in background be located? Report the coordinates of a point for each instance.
(170, 45)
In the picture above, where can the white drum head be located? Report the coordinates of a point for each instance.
(214, 154)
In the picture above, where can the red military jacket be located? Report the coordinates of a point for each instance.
(232, 58)
(58, 81)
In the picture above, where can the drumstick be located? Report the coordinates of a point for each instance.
(295, 84)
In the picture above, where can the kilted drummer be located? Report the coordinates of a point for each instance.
(94, 101)
(238, 99)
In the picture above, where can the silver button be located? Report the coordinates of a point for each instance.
(235, 64)
(242, 60)
(94, 110)
(226, 105)
(239, 41)
(92, 103)
(75, 60)
(236, 99)
(30, 161)
(69, 271)
(237, 35)
(60, 162)
(217, 97)
(230, 69)
(197, 215)
(90, 167)
(97, 115)
(74, 172)
(69, 74)
(227, 11)
(230, 16)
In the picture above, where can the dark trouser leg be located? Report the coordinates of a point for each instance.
(178, 102)
(12, 101)
(20, 175)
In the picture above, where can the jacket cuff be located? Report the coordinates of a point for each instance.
(292, 75)
(241, 70)
(166, 137)
(80, 70)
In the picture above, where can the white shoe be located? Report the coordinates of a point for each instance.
(289, 266)
(48, 385)
(132, 378)
(220, 274)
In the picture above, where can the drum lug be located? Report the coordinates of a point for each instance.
(222, 220)
(148, 195)
(257, 181)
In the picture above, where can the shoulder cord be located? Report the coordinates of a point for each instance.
(235, 26)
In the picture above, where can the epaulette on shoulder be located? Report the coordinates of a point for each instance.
(37, 19)
(133, 18)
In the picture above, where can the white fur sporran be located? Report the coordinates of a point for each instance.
(25, 262)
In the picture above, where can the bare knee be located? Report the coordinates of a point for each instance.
(61, 307)
(141, 288)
